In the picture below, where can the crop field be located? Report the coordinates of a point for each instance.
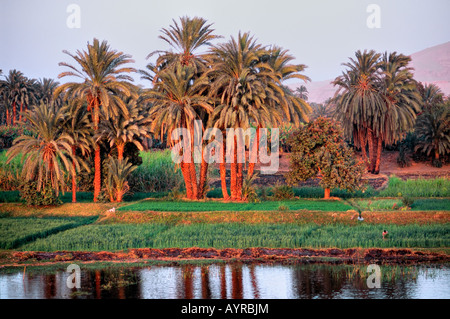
(241, 235)
(17, 231)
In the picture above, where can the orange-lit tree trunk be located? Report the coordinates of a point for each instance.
(233, 173)
(371, 155)
(74, 177)
(120, 150)
(97, 159)
(187, 179)
(97, 173)
(327, 193)
(223, 171)
(193, 181)
(253, 154)
(8, 117)
(202, 180)
(378, 160)
(21, 110)
(14, 114)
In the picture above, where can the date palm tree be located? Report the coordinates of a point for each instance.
(240, 86)
(105, 80)
(78, 126)
(14, 90)
(46, 154)
(359, 102)
(178, 99)
(402, 99)
(433, 132)
(186, 38)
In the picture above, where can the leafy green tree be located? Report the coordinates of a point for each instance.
(319, 150)
(105, 81)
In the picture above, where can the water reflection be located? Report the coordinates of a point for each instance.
(230, 281)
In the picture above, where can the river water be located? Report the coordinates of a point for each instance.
(229, 281)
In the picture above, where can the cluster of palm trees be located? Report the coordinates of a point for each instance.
(17, 93)
(377, 101)
(234, 84)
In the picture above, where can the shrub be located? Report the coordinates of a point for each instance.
(281, 192)
(46, 197)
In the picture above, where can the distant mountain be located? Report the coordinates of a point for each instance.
(431, 65)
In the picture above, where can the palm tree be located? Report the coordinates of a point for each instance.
(178, 99)
(186, 39)
(240, 85)
(105, 81)
(77, 125)
(45, 89)
(359, 102)
(120, 130)
(118, 172)
(47, 153)
(433, 131)
(431, 95)
(402, 100)
(14, 89)
(302, 92)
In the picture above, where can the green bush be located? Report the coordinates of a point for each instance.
(46, 197)
(281, 192)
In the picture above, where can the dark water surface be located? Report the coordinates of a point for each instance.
(230, 281)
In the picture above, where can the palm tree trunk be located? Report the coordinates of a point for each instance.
(21, 110)
(97, 160)
(436, 154)
(327, 193)
(254, 154)
(374, 152)
(193, 175)
(371, 155)
(14, 114)
(233, 173)
(379, 149)
(8, 117)
(74, 177)
(97, 173)
(187, 179)
(203, 175)
(120, 150)
(362, 140)
(223, 172)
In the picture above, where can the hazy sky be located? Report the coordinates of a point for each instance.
(321, 34)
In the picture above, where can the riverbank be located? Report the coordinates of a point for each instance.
(195, 255)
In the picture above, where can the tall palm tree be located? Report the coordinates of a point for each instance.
(402, 99)
(186, 38)
(78, 126)
(431, 95)
(178, 99)
(47, 153)
(240, 85)
(105, 81)
(359, 102)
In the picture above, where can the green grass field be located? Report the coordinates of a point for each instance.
(237, 235)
